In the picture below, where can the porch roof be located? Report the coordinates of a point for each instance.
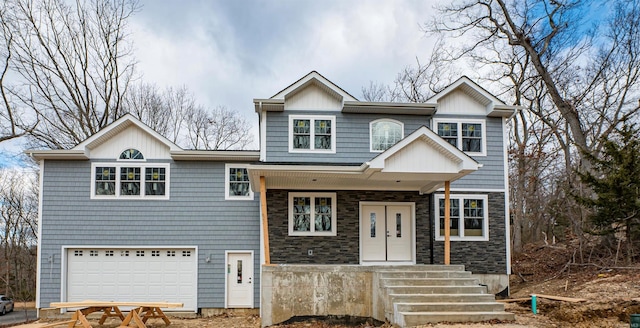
(422, 162)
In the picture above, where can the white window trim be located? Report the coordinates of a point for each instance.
(143, 159)
(461, 197)
(227, 182)
(383, 120)
(483, 124)
(312, 130)
(313, 195)
(137, 163)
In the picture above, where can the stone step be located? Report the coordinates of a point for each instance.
(388, 282)
(425, 274)
(450, 307)
(412, 319)
(436, 289)
(437, 298)
(421, 267)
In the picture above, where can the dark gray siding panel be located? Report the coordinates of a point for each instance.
(481, 256)
(345, 246)
(195, 215)
(352, 136)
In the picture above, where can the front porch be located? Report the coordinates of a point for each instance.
(405, 295)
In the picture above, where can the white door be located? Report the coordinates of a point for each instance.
(386, 233)
(239, 280)
(133, 275)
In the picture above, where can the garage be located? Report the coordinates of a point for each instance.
(132, 274)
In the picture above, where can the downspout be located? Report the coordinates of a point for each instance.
(507, 199)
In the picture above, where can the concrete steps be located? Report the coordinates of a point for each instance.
(412, 319)
(424, 294)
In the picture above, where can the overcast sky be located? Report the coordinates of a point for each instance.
(229, 52)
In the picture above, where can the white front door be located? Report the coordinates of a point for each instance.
(239, 280)
(386, 233)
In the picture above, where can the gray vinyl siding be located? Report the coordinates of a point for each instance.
(195, 215)
(352, 136)
(352, 144)
(491, 174)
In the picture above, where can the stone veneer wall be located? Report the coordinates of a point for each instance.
(481, 256)
(344, 247)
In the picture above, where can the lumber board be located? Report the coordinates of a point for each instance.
(561, 298)
(59, 323)
(510, 300)
(84, 304)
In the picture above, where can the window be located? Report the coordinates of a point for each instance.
(467, 135)
(312, 214)
(131, 154)
(312, 134)
(237, 184)
(130, 180)
(385, 133)
(469, 217)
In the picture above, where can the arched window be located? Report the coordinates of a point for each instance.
(131, 153)
(384, 133)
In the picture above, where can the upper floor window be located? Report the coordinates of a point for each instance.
(312, 214)
(466, 135)
(312, 133)
(124, 180)
(131, 153)
(468, 214)
(237, 184)
(385, 133)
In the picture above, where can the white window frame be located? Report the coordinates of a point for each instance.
(461, 198)
(312, 119)
(131, 163)
(459, 122)
(379, 121)
(227, 182)
(313, 196)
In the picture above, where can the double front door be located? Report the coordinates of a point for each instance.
(386, 233)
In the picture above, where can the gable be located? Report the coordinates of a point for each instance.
(312, 96)
(461, 102)
(422, 156)
(131, 137)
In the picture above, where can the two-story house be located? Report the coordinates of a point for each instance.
(338, 184)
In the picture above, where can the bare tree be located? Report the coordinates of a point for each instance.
(73, 64)
(590, 76)
(175, 114)
(217, 129)
(18, 231)
(415, 83)
(163, 111)
(10, 117)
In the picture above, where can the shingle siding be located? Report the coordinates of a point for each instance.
(352, 136)
(195, 215)
(352, 144)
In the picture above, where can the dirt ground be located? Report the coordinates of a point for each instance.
(611, 294)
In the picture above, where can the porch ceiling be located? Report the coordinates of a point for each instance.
(365, 180)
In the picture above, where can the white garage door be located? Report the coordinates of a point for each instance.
(135, 275)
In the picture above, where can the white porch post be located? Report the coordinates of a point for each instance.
(447, 224)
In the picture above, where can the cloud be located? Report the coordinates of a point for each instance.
(229, 52)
